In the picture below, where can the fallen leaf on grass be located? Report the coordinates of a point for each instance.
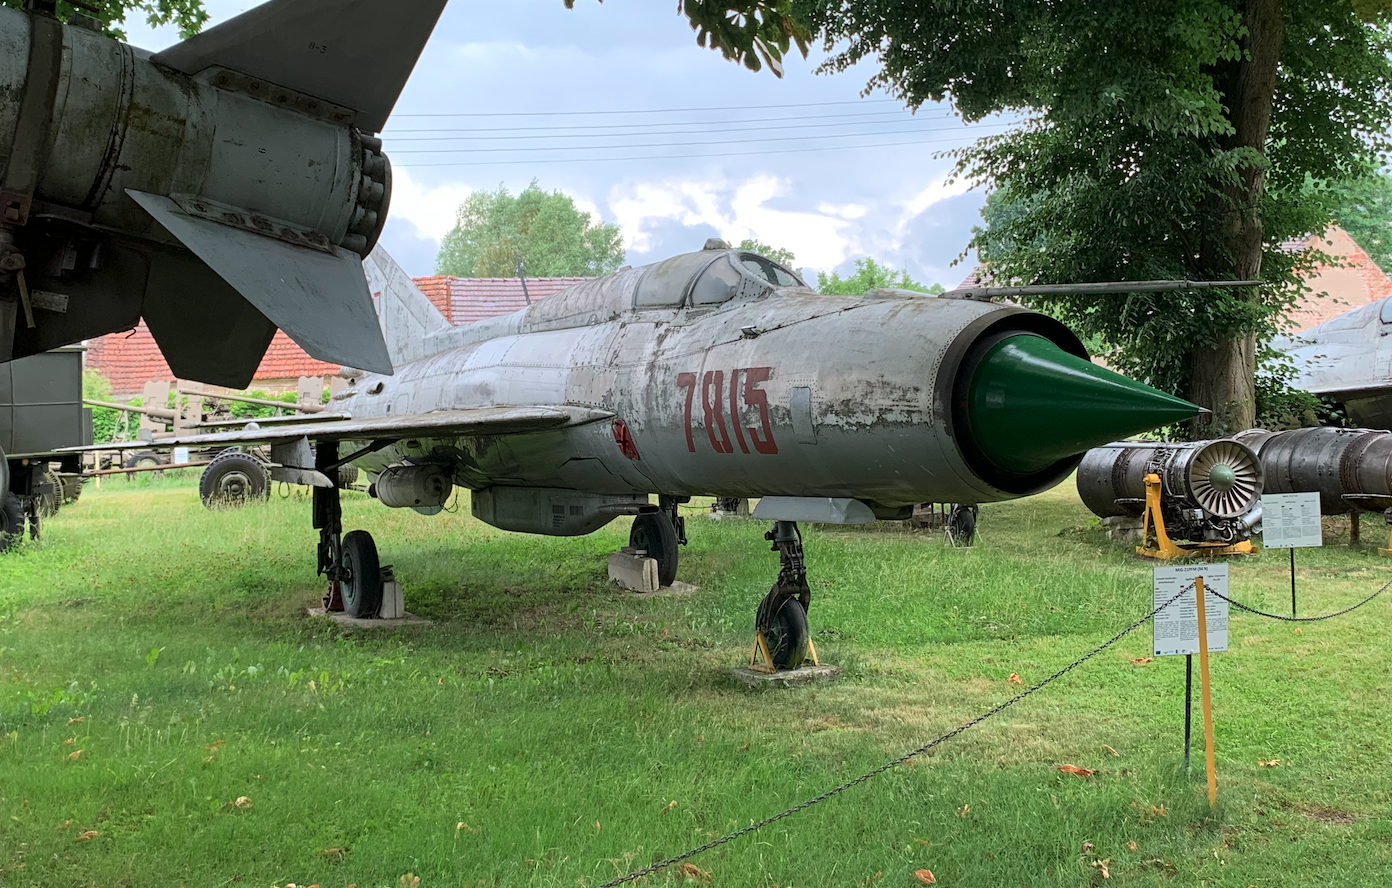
(1014, 679)
(242, 802)
(1111, 750)
(70, 741)
(1297, 631)
(1271, 764)
(66, 824)
(209, 759)
(1077, 771)
(744, 748)
(1131, 846)
(670, 805)
(77, 721)
(74, 756)
(410, 880)
(1162, 865)
(216, 746)
(1101, 867)
(694, 873)
(964, 810)
(1142, 661)
(335, 853)
(87, 835)
(596, 827)
(926, 877)
(1087, 847)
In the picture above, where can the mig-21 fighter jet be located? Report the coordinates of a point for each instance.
(717, 372)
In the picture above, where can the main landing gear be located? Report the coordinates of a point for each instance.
(349, 561)
(781, 636)
(659, 534)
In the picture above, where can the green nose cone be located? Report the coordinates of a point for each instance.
(1032, 404)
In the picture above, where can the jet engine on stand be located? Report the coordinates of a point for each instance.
(1207, 493)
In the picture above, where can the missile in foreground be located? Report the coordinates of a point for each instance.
(220, 189)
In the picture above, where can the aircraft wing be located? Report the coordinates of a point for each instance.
(472, 422)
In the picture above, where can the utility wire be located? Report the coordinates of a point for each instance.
(673, 144)
(627, 126)
(692, 128)
(722, 154)
(656, 110)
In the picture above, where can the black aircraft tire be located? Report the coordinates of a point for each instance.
(142, 458)
(653, 532)
(11, 520)
(362, 591)
(789, 635)
(233, 479)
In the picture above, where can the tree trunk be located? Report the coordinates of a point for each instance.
(1223, 377)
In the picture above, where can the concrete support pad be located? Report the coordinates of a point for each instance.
(791, 678)
(632, 571)
(406, 619)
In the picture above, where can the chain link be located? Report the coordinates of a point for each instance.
(1251, 610)
(849, 784)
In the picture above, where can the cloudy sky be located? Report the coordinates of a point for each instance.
(616, 105)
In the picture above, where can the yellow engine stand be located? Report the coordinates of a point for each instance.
(1165, 548)
(1387, 553)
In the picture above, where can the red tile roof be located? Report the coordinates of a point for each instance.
(131, 359)
(1351, 279)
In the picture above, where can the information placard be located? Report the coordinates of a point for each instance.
(1291, 520)
(1177, 626)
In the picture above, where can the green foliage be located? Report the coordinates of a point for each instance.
(1364, 210)
(1128, 165)
(870, 275)
(188, 16)
(546, 232)
(240, 410)
(783, 257)
(96, 387)
(754, 33)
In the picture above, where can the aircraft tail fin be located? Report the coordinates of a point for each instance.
(409, 319)
(356, 54)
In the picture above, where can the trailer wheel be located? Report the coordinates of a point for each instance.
(233, 479)
(49, 502)
(143, 459)
(11, 520)
(72, 488)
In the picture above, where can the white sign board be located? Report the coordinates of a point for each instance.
(181, 455)
(1177, 626)
(1291, 520)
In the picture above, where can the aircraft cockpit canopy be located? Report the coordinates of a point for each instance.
(1386, 314)
(710, 278)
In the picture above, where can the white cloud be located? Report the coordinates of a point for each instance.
(429, 210)
(738, 209)
(941, 190)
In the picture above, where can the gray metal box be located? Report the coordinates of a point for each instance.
(41, 406)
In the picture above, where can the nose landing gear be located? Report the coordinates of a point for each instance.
(349, 561)
(781, 635)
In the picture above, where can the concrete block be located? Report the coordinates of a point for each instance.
(393, 602)
(633, 571)
(678, 589)
(406, 619)
(787, 678)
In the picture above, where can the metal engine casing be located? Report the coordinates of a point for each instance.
(413, 487)
(1111, 483)
(1351, 469)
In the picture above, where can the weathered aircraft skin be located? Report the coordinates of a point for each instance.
(1348, 359)
(222, 188)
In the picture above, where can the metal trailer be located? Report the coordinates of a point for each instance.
(41, 412)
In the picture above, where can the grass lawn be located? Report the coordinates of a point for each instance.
(157, 666)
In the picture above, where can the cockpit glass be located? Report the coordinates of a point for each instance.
(770, 271)
(1387, 311)
(718, 283)
(664, 284)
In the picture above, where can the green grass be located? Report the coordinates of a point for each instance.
(537, 731)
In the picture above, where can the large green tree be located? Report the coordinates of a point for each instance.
(188, 16)
(1160, 139)
(870, 275)
(544, 231)
(1364, 210)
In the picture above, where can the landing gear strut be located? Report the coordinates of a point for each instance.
(781, 635)
(348, 561)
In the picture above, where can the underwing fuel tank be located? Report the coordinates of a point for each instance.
(221, 189)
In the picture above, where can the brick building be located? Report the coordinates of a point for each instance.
(131, 359)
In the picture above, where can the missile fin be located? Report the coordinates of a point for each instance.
(354, 53)
(320, 301)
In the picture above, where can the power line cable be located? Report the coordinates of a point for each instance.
(676, 132)
(626, 126)
(655, 110)
(670, 144)
(723, 154)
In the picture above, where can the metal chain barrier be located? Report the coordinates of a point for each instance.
(837, 790)
(1251, 610)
